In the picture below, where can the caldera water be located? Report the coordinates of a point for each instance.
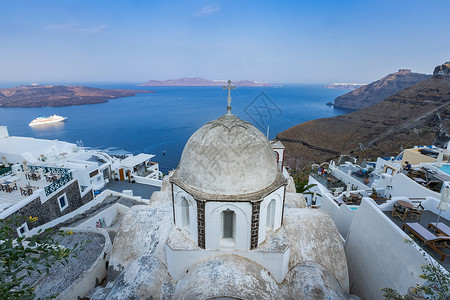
(161, 123)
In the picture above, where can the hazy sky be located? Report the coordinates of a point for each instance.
(276, 41)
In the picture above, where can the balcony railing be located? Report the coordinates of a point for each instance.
(5, 171)
(54, 186)
(53, 170)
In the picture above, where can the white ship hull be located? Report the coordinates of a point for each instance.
(49, 120)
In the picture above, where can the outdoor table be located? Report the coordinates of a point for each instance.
(403, 212)
(29, 189)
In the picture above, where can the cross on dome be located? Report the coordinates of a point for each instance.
(229, 87)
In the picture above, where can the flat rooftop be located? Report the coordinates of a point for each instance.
(143, 190)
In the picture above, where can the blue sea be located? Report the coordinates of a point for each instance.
(161, 123)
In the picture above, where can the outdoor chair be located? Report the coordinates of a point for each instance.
(434, 242)
(359, 173)
(378, 199)
(433, 185)
(416, 212)
(399, 211)
(338, 190)
(441, 228)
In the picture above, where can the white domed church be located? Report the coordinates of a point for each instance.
(228, 191)
(227, 223)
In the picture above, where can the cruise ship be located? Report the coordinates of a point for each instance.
(46, 120)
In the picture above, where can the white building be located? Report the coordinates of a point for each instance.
(49, 179)
(227, 224)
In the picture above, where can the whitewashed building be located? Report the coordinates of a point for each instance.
(227, 223)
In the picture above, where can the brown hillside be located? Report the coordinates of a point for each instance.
(416, 115)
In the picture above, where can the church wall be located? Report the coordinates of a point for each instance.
(278, 197)
(178, 193)
(280, 156)
(180, 260)
(213, 224)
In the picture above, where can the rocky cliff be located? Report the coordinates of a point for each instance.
(442, 70)
(417, 115)
(59, 95)
(201, 82)
(379, 90)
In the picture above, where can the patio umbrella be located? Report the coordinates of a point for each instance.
(347, 193)
(445, 200)
(439, 160)
(25, 166)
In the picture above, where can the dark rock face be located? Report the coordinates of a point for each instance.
(442, 70)
(60, 95)
(377, 91)
(417, 115)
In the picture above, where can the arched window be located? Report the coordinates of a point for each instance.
(228, 224)
(277, 156)
(185, 220)
(270, 220)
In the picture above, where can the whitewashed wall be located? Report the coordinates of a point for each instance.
(377, 255)
(179, 261)
(193, 226)
(109, 215)
(342, 215)
(213, 224)
(349, 179)
(402, 185)
(278, 197)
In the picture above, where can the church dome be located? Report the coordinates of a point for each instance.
(228, 156)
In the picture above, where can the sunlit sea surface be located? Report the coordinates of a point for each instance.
(161, 123)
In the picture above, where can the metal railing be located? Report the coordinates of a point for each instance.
(5, 171)
(54, 186)
(53, 170)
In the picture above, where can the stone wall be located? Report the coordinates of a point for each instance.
(88, 197)
(255, 225)
(50, 210)
(201, 223)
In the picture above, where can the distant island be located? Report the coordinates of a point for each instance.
(197, 81)
(343, 86)
(60, 95)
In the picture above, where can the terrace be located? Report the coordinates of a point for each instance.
(329, 181)
(37, 180)
(426, 218)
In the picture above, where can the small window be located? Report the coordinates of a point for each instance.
(22, 229)
(185, 219)
(228, 221)
(62, 201)
(270, 221)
